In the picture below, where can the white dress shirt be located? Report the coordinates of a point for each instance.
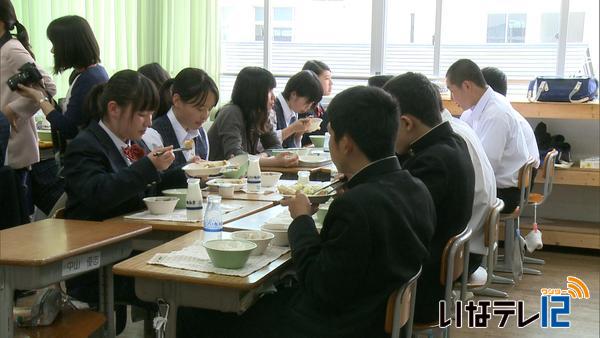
(494, 121)
(120, 144)
(287, 115)
(530, 139)
(183, 135)
(485, 181)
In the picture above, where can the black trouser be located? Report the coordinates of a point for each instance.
(511, 197)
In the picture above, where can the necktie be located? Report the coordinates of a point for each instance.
(134, 152)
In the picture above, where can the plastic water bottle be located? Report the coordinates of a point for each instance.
(213, 221)
(193, 202)
(326, 142)
(254, 176)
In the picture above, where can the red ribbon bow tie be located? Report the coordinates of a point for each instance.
(134, 152)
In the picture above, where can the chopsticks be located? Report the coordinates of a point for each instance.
(174, 150)
(334, 185)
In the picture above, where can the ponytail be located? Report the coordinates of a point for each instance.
(93, 103)
(23, 37)
(166, 99)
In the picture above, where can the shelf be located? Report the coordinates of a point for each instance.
(562, 232)
(548, 110)
(574, 176)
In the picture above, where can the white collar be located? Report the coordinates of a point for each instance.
(180, 132)
(287, 111)
(446, 116)
(477, 110)
(120, 144)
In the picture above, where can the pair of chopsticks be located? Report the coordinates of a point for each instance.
(334, 185)
(174, 150)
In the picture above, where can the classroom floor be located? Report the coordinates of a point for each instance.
(585, 314)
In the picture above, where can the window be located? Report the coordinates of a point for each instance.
(551, 25)
(259, 23)
(506, 28)
(282, 34)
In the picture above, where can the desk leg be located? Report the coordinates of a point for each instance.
(6, 305)
(172, 320)
(108, 300)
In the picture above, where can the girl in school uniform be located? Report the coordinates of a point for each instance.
(108, 169)
(243, 125)
(191, 94)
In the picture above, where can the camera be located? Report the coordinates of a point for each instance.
(28, 74)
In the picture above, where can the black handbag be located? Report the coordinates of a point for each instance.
(557, 89)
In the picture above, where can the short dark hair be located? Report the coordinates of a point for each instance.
(250, 91)
(316, 66)
(379, 80)
(192, 85)
(465, 70)
(416, 97)
(74, 43)
(155, 72)
(306, 84)
(496, 79)
(127, 88)
(369, 116)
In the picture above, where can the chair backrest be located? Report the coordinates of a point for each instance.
(491, 230)
(401, 308)
(455, 259)
(525, 182)
(548, 172)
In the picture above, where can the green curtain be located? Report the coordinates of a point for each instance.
(131, 33)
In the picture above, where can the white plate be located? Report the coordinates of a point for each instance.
(204, 168)
(238, 184)
(313, 160)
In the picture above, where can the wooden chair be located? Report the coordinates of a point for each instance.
(401, 309)
(455, 262)
(69, 323)
(536, 199)
(491, 242)
(511, 221)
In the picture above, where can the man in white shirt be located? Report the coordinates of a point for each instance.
(485, 186)
(496, 124)
(496, 79)
(301, 92)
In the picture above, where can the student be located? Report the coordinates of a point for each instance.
(494, 121)
(107, 172)
(19, 143)
(485, 185)
(192, 94)
(433, 153)
(496, 79)
(158, 75)
(379, 80)
(374, 238)
(324, 73)
(243, 127)
(301, 92)
(74, 46)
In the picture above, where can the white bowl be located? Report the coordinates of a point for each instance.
(205, 168)
(269, 179)
(161, 205)
(260, 238)
(315, 124)
(280, 232)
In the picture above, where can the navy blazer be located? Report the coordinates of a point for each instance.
(281, 124)
(441, 160)
(100, 185)
(164, 127)
(374, 238)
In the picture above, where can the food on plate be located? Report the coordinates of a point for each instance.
(307, 189)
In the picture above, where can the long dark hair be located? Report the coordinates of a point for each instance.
(74, 43)
(250, 92)
(127, 88)
(9, 17)
(192, 85)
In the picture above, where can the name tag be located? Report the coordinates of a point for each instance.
(81, 263)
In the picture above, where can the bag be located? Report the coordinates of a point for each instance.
(557, 89)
